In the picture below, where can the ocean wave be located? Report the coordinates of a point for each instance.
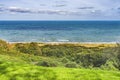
(63, 40)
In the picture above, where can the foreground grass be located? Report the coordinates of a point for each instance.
(24, 61)
(19, 71)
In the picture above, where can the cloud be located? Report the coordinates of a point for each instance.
(14, 10)
(19, 10)
(2, 8)
(118, 8)
(60, 5)
(42, 4)
(76, 8)
(82, 12)
(58, 12)
(85, 8)
(61, 1)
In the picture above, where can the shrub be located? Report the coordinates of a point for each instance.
(22, 47)
(71, 65)
(29, 48)
(34, 49)
(3, 44)
(47, 64)
(65, 60)
(94, 59)
(49, 51)
(110, 65)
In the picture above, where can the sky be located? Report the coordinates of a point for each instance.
(59, 9)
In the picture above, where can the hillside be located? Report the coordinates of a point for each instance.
(58, 62)
(10, 70)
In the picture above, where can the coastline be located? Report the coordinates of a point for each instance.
(85, 44)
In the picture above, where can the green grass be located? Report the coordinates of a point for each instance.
(25, 62)
(10, 70)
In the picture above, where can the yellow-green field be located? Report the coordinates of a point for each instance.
(10, 70)
(38, 61)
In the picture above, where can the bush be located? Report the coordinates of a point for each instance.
(29, 48)
(67, 55)
(22, 47)
(110, 65)
(34, 49)
(91, 59)
(47, 64)
(49, 51)
(64, 60)
(71, 65)
(3, 45)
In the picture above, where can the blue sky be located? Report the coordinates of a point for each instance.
(59, 9)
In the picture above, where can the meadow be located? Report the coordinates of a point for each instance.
(39, 61)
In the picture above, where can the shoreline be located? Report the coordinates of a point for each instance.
(68, 42)
(85, 44)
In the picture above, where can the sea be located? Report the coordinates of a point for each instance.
(60, 31)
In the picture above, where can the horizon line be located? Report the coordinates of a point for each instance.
(59, 20)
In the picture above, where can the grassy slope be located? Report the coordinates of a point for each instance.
(12, 68)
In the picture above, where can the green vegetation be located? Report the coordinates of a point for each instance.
(10, 70)
(31, 61)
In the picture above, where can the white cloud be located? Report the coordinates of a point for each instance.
(79, 8)
(14, 10)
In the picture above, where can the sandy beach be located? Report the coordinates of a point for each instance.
(85, 44)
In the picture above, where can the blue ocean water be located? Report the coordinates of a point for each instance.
(60, 31)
